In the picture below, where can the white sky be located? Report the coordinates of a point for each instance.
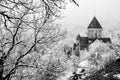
(77, 19)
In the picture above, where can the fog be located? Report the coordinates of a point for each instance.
(77, 19)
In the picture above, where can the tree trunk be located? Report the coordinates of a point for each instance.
(1, 69)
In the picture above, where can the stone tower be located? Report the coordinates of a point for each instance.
(94, 29)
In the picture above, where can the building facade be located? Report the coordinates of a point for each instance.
(94, 32)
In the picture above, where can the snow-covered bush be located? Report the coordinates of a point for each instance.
(100, 54)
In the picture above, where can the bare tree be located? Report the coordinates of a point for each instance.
(26, 26)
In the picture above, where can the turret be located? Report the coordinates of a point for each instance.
(94, 29)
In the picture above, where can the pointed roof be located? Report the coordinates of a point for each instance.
(94, 23)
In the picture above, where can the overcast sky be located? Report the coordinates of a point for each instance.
(78, 18)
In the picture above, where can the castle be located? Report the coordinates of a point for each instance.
(94, 33)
